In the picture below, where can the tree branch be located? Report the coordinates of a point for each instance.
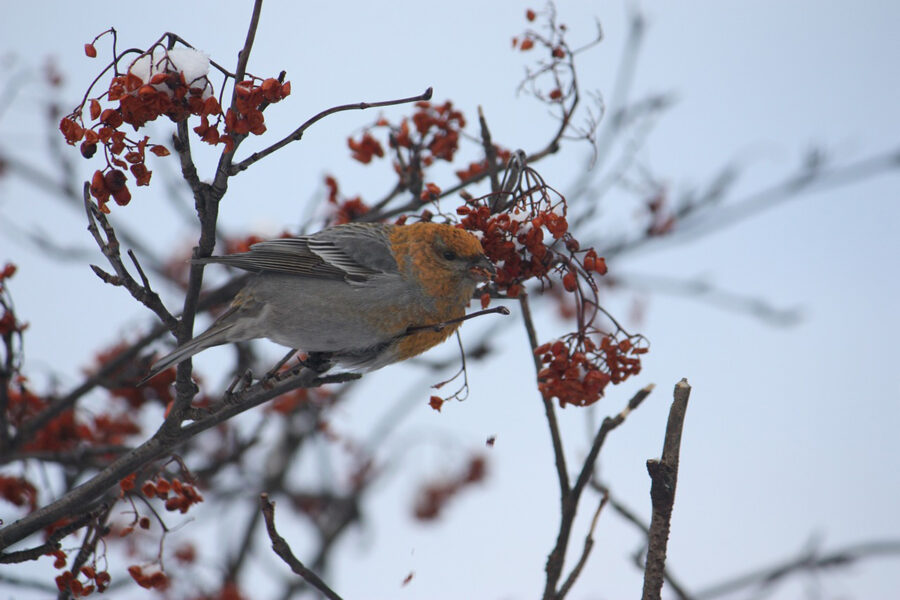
(629, 515)
(283, 550)
(556, 439)
(569, 504)
(588, 545)
(664, 476)
(111, 250)
(806, 562)
(162, 443)
(297, 134)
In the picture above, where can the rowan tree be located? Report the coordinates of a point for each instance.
(137, 475)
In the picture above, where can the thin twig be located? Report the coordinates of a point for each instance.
(703, 291)
(569, 504)
(609, 423)
(51, 544)
(588, 545)
(562, 471)
(629, 515)
(161, 444)
(244, 54)
(807, 562)
(501, 310)
(297, 134)
(490, 157)
(283, 550)
(693, 224)
(111, 250)
(664, 476)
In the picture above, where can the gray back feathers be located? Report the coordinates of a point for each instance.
(353, 252)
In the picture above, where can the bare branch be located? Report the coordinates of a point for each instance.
(588, 545)
(282, 549)
(704, 291)
(571, 499)
(51, 544)
(629, 515)
(807, 562)
(693, 223)
(500, 310)
(297, 134)
(163, 442)
(110, 248)
(664, 476)
(244, 54)
(559, 456)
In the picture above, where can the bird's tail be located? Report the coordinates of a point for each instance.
(214, 336)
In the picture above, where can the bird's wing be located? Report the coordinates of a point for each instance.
(349, 253)
(355, 246)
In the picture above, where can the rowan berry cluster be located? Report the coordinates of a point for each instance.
(576, 369)
(153, 580)
(68, 582)
(527, 237)
(437, 128)
(434, 135)
(18, 491)
(123, 379)
(434, 496)
(65, 432)
(553, 79)
(160, 82)
(346, 210)
(95, 579)
(9, 324)
(480, 167)
(183, 495)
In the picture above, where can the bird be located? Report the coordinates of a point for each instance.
(362, 295)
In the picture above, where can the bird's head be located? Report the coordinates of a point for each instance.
(459, 252)
(449, 262)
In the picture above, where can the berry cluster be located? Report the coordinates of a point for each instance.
(434, 135)
(68, 582)
(478, 167)
(576, 370)
(153, 580)
(65, 432)
(18, 491)
(183, 495)
(528, 238)
(346, 210)
(553, 79)
(160, 82)
(434, 496)
(9, 324)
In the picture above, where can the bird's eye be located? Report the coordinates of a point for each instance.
(449, 254)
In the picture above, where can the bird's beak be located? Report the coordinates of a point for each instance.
(482, 269)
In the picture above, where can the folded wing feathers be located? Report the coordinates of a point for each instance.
(297, 256)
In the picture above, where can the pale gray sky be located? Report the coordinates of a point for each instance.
(791, 432)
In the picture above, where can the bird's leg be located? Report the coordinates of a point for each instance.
(237, 385)
(274, 370)
(318, 361)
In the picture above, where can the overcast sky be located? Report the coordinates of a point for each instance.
(791, 431)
